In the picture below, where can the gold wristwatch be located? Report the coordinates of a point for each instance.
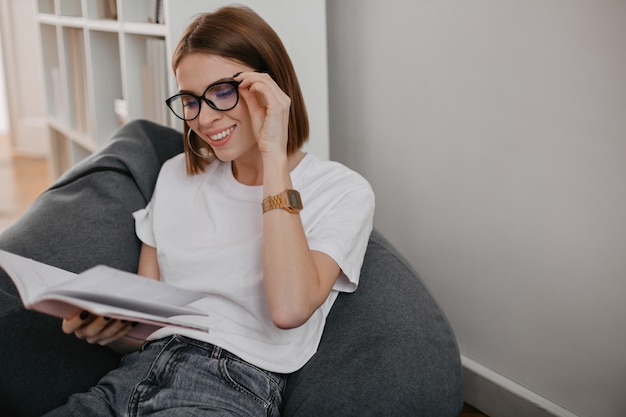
(288, 200)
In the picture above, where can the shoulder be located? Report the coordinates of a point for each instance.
(176, 168)
(174, 165)
(333, 174)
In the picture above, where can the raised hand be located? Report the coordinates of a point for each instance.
(269, 110)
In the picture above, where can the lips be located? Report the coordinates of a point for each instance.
(218, 138)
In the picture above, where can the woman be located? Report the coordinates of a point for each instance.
(269, 233)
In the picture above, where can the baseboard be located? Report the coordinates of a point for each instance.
(497, 396)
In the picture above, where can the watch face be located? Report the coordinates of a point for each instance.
(294, 199)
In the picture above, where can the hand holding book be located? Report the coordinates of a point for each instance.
(103, 291)
(101, 330)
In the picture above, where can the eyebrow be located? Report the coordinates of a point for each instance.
(221, 80)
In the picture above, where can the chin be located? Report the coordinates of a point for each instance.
(224, 156)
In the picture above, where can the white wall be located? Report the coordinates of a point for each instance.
(25, 88)
(494, 134)
(301, 26)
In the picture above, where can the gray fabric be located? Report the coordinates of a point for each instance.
(387, 349)
(83, 220)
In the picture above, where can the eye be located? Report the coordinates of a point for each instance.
(223, 91)
(189, 102)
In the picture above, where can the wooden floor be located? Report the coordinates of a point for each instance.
(23, 178)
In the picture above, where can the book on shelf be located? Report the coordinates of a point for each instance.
(103, 291)
(154, 75)
(77, 79)
(156, 10)
(108, 9)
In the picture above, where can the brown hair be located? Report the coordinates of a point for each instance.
(240, 34)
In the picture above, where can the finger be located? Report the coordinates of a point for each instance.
(262, 85)
(248, 77)
(114, 333)
(268, 93)
(70, 325)
(264, 101)
(91, 330)
(112, 329)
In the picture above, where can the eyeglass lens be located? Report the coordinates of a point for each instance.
(222, 96)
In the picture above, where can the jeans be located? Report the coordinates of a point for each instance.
(177, 376)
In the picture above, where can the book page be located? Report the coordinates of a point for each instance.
(108, 286)
(104, 291)
(32, 278)
(68, 306)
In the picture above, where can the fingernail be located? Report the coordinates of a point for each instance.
(84, 315)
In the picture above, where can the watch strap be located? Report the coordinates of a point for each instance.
(288, 200)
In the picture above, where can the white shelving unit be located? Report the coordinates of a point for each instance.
(104, 58)
(105, 62)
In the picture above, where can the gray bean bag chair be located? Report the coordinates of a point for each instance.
(387, 349)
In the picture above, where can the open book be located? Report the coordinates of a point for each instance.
(103, 291)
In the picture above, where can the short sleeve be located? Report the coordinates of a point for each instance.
(343, 234)
(144, 226)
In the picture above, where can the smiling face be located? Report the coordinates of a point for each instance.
(230, 132)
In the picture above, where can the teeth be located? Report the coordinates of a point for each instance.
(222, 134)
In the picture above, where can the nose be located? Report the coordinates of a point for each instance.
(208, 114)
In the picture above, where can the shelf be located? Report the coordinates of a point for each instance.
(108, 61)
(71, 21)
(152, 29)
(46, 18)
(104, 25)
(104, 63)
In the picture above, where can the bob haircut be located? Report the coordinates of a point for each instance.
(239, 34)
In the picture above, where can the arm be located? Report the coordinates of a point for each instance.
(297, 280)
(112, 333)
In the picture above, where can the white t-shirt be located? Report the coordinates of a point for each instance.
(207, 229)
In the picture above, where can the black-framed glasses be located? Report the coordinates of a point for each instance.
(222, 96)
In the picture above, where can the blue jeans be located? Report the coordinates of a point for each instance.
(177, 376)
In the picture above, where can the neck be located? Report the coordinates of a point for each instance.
(251, 172)
(247, 175)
